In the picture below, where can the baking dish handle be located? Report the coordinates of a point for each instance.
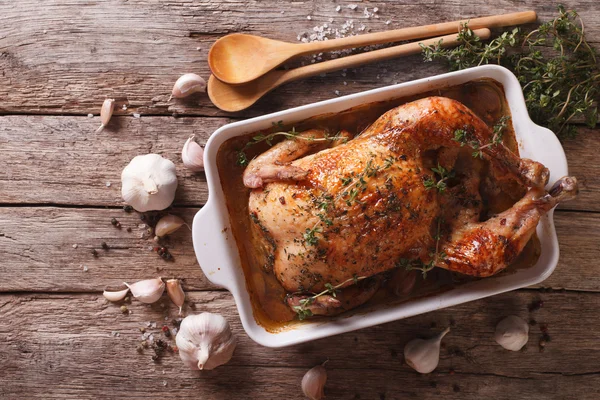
(212, 245)
(549, 152)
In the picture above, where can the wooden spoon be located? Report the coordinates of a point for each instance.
(239, 97)
(240, 58)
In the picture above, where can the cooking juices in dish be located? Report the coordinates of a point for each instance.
(274, 306)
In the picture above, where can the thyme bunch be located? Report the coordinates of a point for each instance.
(556, 66)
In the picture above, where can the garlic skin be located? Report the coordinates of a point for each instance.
(149, 183)
(106, 113)
(205, 341)
(186, 85)
(192, 155)
(147, 291)
(423, 355)
(167, 225)
(115, 296)
(313, 383)
(512, 333)
(176, 293)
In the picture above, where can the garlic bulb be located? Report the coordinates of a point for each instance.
(186, 85)
(313, 383)
(423, 355)
(167, 225)
(149, 183)
(106, 113)
(512, 333)
(192, 155)
(176, 293)
(205, 341)
(115, 296)
(147, 291)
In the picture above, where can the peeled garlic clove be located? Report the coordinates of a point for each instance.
(512, 333)
(186, 85)
(115, 296)
(205, 341)
(313, 383)
(423, 355)
(147, 291)
(167, 225)
(192, 155)
(106, 113)
(149, 183)
(176, 293)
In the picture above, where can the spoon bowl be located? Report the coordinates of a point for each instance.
(240, 58)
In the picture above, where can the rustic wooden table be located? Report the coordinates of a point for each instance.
(60, 186)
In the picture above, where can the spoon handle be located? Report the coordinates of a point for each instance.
(418, 32)
(371, 56)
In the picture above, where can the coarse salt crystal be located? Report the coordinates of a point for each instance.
(345, 83)
(136, 115)
(338, 8)
(108, 184)
(352, 6)
(198, 48)
(124, 107)
(75, 246)
(308, 17)
(90, 115)
(85, 268)
(388, 22)
(330, 20)
(375, 9)
(337, 92)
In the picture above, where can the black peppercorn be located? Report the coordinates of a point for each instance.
(94, 253)
(127, 209)
(104, 245)
(113, 221)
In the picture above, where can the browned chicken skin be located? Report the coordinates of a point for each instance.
(361, 207)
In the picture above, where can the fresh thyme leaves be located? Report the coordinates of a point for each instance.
(242, 159)
(560, 84)
(435, 256)
(302, 309)
(439, 184)
(463, 137)
(310, 237)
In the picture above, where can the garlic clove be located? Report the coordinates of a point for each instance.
(147, 291)
(149, 183)
(115, 296)
(106, 113)
(512, 333)
(186, 85)
(167, 225)
(205, 341)
(313, 383)
(192, 155)
(176, 293)
(423, 355)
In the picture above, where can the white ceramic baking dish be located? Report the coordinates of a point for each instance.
(218, 255)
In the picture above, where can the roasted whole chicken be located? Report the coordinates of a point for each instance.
(406, 192)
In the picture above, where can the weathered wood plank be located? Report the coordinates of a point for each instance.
(38, 254)
(62, 347)
(134, 50)
(62, 161)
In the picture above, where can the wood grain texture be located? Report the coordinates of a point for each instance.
(62, 161)
(38, 254)
(60, 58)
(62, 347)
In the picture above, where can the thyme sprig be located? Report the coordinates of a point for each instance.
(561, 83)
(465, 138)
(435, 255)
(439, 184)
(303, 311)
(242, 158)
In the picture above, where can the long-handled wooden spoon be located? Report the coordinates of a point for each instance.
(239, 97)
(240, 58)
